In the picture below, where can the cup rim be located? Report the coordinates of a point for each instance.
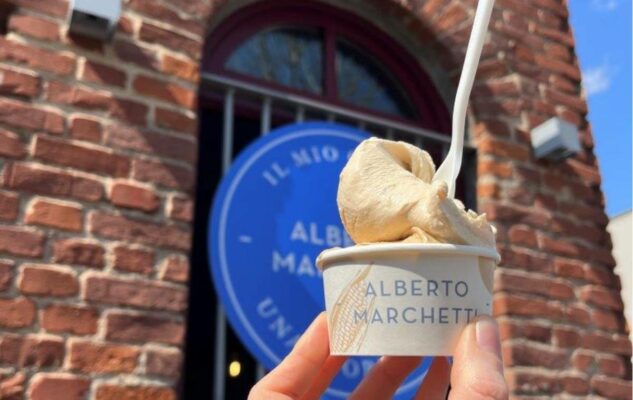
(330, 255)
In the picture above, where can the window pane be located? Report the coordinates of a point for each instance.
(363, 82)
(288, 56)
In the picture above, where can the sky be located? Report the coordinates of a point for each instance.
(602, 30)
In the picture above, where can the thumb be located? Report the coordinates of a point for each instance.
(477, 371)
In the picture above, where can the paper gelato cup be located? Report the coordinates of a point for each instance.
(404, 298)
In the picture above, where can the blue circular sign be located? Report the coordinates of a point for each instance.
(273, 213)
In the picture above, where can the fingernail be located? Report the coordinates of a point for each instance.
(487, 334)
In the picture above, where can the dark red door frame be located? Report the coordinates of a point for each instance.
(431, 112)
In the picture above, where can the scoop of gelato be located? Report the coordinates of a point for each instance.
(386, 193)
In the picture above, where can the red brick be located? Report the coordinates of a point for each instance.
(47, 280)
(525, 260)
(18, 83)
(163, 362)
(611, 365)
(132, 259)
(489, 145)
(84, 128)
(532, 330)
(489, 191)
(9, 206)
(575, 383)
(80, 156)
(617, 344)
(175, 121)
(527, 381)
(81, 97)
(94, 71)
(175, 268)
(64, 216)
(612, 388)
(11, 145)
(602, 297)
(129, 111)
(569, 268)
(125, 25)
(558, 51)
(498, 169)
(577, 314)
(84, 43)
(143, 328)
(564, 84)
(57, 63)
(16, 312)
(180, 68)
(507, 86)
(131, 195)
(582, 359)
(10, 348)
(566, 336)
(522, 235)
(572, 101)
(79, 252)
(163, 174)
(56, 386)
(166, 91)
(450, 17)
(36, 27)
(607, 320)
(153, 34)
(29, 116)
(40, 179)
(41, 352)
(492, 68)
(492, 126)
(135, 54)
(112, 392)
(588, 173)
(55, 8)
(160, 12)
(126, 229)
(516, 305)
(6, 274)
(558, 246)
(21, 242)
(180, 208)
(152, 143)
(528, 354)
(90, 357)
(519, 281)
(136, 293)
(78, 320)
(558, 66)
(499, 106)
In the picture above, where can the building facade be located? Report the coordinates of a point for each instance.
(110, 153)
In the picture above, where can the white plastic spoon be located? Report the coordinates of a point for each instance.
(449, 169)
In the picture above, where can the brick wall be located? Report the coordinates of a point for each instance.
(556, 297)
(97, 157)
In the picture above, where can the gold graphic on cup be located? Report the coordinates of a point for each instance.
(346, 332)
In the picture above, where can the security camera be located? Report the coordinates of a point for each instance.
(555, 140)
(95, 19)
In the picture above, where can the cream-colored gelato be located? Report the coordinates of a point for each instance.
(386, 194)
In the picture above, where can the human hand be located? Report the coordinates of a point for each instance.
(476, 374)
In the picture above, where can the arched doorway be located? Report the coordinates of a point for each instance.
(277, 62)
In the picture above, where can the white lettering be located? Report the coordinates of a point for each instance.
(283, 262)
(299, 232)
(306, 267)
